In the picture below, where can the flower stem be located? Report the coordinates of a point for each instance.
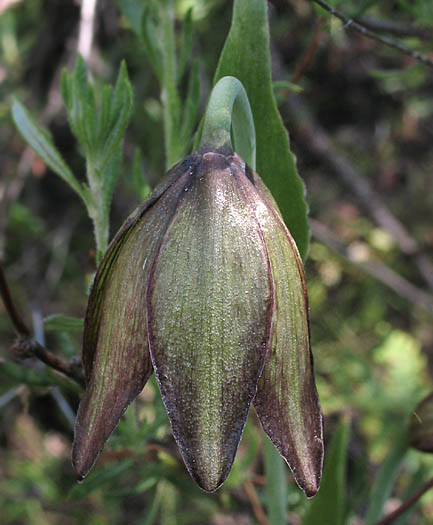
(229, 111)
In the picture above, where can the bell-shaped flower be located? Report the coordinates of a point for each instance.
(203, 285)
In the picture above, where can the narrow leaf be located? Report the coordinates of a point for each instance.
(151, 47)
(329, 504)
(132, 10)
(385, 479)
(62, 323)
(246, 56)
(98, 479)
(187, 39)
(39, 141)
(192, 104)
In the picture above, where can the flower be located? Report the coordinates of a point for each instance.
(203, 284)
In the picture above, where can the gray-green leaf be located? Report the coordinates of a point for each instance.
(38, 139)
(246, 56)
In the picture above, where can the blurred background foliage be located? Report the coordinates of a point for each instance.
(370, 108)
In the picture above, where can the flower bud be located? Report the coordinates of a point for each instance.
(421, 425)
(203, 284)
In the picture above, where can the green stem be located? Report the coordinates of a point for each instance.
(97, 212)
(229, 111)
(276, 487)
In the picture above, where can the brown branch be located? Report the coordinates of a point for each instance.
(310, 132)
(255, 503)
(308, 55)
(387, 520)
(395, 28)
(356, 26)
(20, 328)
(26, 346)
(375, 269)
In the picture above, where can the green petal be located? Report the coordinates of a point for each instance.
(209, 315)
(286, 402)
(115, 349)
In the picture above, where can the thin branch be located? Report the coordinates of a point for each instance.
(356, 26)
(25, 346)
(387, 520)
(320, 145)
(395, 28)
(20, 328)
(375, 269)
(308, 55)
(259, 513)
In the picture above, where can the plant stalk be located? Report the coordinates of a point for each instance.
(229, 112)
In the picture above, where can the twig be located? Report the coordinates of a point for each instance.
(356, 26)
(320, 145)
(25, 346)
(376, 269)
(308, 55)
(255, 503)
(394, 28)
(408, 503)
(20, 328)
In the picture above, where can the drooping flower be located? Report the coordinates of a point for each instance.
(203, 285)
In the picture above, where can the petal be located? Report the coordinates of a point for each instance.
(115, 347)
(209, 316)
(287, 402)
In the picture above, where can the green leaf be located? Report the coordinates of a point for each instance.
(192, 104)
(385, 479)
(276, 488)
(98, 479)
(141, 184)
(28, 376)
(132, 10)
(328, 506)
(38, 139)
(122, 101)
(150, 40)
(187, 39)
(61, 323)
(246, 56)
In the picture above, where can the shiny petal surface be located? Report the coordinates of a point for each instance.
(115, 352)
(210, 305)
(287, 402)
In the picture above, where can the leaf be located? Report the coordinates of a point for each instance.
(38, 139)
(122, 101)
(98, 479)
(246, 57)
(329, 504)
(132, 10)
(276, 484)
(150, 40)
(192, 104)
(187, 39)
(44, 378)
(61, 323)
(141, 184)
(385, 479)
